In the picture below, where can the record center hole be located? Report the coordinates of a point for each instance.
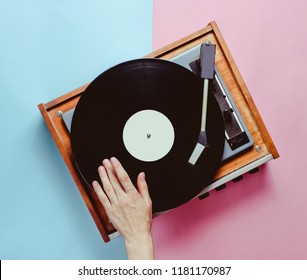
(148, 135)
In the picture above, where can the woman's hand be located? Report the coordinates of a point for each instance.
(129, 209)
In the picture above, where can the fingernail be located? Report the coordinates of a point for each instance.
(143, 175)
(114, 159)
(106, 162)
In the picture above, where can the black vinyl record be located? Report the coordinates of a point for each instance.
(148, 84)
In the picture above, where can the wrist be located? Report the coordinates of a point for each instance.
(140, 247)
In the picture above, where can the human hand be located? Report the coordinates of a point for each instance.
(129, 210)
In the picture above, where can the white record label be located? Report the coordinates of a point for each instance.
(148, 135)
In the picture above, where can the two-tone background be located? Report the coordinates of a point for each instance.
(50, 48)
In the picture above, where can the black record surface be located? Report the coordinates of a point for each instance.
(118, 93)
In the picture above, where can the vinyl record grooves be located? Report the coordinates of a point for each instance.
(148, 84)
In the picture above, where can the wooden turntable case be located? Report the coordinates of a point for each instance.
(262, 151)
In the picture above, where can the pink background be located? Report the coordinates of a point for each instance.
(263, 216)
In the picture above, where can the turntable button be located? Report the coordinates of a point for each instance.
(254, 170)
(203, 196)
(221, 187)
(237, 179)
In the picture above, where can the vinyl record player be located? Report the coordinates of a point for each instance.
(161, 88)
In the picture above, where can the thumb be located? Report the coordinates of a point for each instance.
(142, 186)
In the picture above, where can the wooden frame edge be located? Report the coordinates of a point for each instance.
(43, 109)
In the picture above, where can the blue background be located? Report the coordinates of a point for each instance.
(49, 48)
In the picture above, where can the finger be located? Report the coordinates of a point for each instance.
(122, 175)
(112, 177)
(107, 186)
(101, 196)
(143, 187)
